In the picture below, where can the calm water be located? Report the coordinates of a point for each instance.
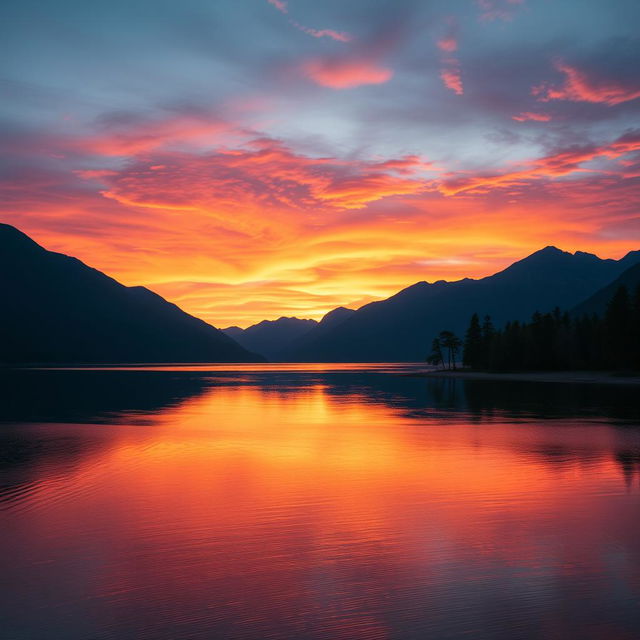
(315, 502)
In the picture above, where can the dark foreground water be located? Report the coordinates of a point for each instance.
(310, 502)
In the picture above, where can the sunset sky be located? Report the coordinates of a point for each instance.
(249, 159)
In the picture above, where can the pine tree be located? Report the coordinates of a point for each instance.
(472, 350)
(488, 333)
(618, 328)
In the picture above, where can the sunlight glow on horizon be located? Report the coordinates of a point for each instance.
(329, 157)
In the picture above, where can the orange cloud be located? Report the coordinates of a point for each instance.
(579, 87)
(347, 73)
(265, 174)
(529, 115)
(240, 233)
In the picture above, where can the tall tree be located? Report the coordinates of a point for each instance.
(635, 328)
(472, 350)
(452, 344)
(435, 357)
(618, 327)
(488, 333)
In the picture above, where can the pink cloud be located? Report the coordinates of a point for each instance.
(406, 165)
(452, 79)
(279, 5)
(448, 44)
(449, 41)
(450, 73)
(265, 174)
(529, 115)
(579, 87)
(561, 163)
(131, 138)
(340, 36)
(345, 73)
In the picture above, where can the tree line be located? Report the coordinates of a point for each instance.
(550, 341)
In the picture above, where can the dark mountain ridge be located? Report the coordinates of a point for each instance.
(59, 310)
(269, 337)
(401, 327)
(598, 302)
(329, 321)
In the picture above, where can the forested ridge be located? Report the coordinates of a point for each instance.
(552, 341)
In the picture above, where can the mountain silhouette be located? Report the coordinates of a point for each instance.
(401, 327)
(329, 321)
(58, 310)
(598, 302)
(269, 337)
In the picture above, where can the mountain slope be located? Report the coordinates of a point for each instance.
(270, 336)
(57, 309)
(598, 302)
(329, 321)
(401, 328)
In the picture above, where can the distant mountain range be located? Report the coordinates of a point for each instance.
(270, 336)
(58, 310)
(401, 327)
(276, 339)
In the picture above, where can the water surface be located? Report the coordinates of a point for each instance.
(315, 501)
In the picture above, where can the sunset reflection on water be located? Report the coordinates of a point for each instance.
(312, 503)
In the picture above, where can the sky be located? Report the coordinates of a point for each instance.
(249, 159)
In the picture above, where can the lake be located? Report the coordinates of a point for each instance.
(316, 501)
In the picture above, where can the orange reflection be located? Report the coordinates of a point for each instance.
(265, 507)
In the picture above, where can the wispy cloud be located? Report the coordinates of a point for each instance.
(560, 163)
(450, 72)
(526, 116)
(340, 36)
(132, 137)
(579, 86)
(498, 9)
(280, 5)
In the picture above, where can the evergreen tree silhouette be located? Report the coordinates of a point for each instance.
(618, 328)
(472, 350)
(435, 357)
(452, 344)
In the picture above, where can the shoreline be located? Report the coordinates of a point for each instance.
(575, 377)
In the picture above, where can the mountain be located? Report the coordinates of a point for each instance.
(401, 327)
(333, 319)
(598, 302)
(328, 322)
(270, 336)
(58, 310)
